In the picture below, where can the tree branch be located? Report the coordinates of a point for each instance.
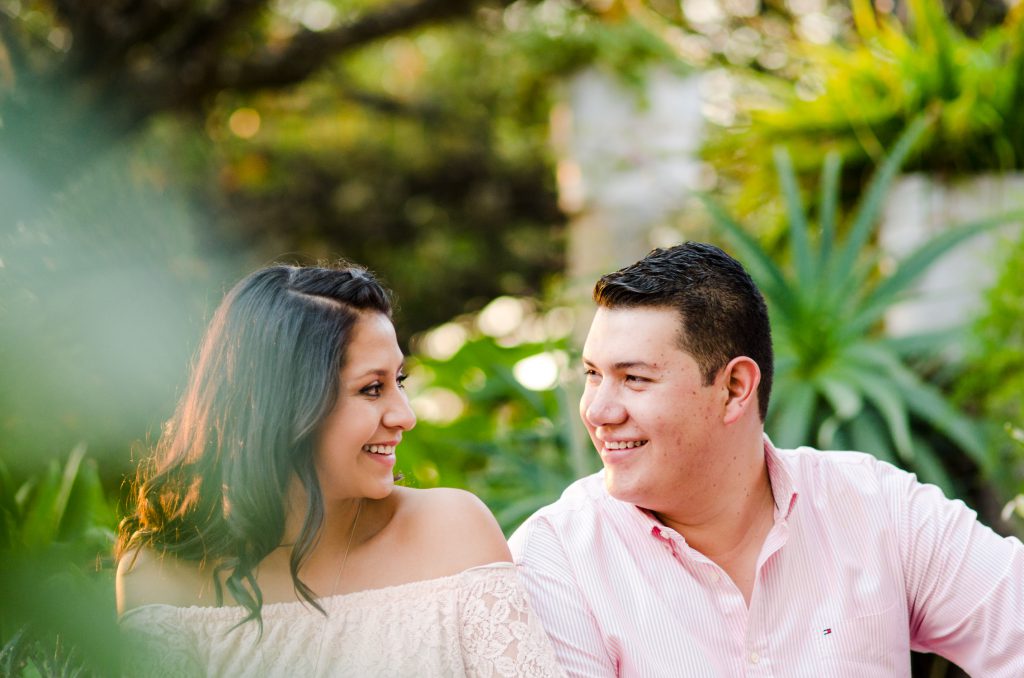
(391, 106)
(208, 33)
(309, 50)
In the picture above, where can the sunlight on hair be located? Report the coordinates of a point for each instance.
(539, 372)
(444, 341)
(438, 406)
(502, 316)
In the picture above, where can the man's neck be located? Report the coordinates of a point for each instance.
(729, 527)
(727, 524)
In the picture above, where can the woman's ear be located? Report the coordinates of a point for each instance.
(740, 379)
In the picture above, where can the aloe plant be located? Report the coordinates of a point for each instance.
(839, 381)
(866, 91)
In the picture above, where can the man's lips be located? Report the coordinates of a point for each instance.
(615, 451)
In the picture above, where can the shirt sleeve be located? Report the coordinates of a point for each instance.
(546, 573)
(499, 634)
(965, 583)
(157, 646)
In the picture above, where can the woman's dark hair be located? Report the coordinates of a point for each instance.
(722, 313)
(266, 375)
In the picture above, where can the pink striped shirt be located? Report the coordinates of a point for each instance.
(863, 564)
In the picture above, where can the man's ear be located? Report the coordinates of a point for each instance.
(740, 379)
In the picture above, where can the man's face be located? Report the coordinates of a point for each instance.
(650, 416)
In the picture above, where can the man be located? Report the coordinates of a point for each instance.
(701, 550)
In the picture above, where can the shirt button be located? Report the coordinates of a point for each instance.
(754, 657)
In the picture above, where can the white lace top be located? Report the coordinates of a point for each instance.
(474, 623)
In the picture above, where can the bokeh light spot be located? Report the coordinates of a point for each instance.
(538, 372)
(438, 406)
(501, 317)
(244, 123)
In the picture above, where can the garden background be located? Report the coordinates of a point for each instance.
(488, 159)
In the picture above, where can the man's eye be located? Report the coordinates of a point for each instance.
(634, 378)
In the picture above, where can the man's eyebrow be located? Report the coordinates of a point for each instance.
(623, 365)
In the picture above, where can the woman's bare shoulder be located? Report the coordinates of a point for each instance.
(147, 577)
(450, 529)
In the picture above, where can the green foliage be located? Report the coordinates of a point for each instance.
(992, 381)
(838, 379)
(515, 448)
(424, 157)
(61, 506)
(560, 39)
(994, 378)
(856, 99)
(56, 607)
(1015, 507)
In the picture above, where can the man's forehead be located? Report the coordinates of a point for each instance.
(636, 322)
(632, 337)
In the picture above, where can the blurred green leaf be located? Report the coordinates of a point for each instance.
(57, 612)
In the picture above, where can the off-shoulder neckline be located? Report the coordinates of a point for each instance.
(232, 611)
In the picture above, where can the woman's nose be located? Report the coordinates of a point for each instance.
(400, 414)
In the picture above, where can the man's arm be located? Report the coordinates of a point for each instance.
(558, 601)
(965, 583)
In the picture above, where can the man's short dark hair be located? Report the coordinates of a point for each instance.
(723, 313)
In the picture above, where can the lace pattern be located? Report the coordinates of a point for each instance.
(476, 623)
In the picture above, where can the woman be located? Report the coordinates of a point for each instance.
(269, 537)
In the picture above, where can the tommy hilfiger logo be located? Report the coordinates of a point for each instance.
(827, 632)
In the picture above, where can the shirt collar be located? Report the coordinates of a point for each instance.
(783, 488)
(784, 493)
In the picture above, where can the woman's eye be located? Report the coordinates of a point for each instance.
(373, 389)
(401, 380)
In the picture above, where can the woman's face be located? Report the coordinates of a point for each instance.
(355, 454)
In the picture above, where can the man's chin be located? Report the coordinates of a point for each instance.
(618, 488)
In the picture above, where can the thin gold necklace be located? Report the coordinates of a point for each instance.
(334, 586)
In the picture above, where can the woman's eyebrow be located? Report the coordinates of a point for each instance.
(378, 372)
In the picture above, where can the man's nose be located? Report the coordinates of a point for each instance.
(600, 406)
